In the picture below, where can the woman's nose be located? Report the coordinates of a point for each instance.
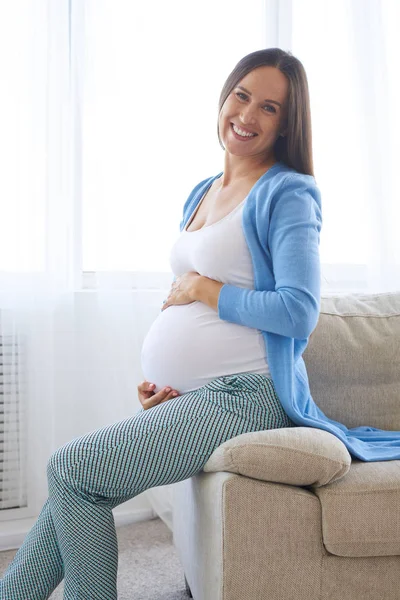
(247, 115)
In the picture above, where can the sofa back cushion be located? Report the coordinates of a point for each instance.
(353, 359)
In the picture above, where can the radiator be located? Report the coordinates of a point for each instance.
(13, 486)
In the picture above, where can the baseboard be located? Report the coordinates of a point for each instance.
(125, 517)
(14, 532)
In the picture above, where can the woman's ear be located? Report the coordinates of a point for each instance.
(284, 127)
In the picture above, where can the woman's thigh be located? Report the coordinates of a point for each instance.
(168, 442)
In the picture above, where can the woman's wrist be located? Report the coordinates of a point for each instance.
(206, 290)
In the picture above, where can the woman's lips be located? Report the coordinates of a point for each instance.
(240, 137)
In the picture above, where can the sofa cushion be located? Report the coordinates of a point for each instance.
(298, 456)
(361, 511)
(353, 359)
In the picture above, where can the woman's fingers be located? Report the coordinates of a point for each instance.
(148, 398)
(161, 396)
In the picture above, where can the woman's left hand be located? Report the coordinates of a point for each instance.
(182, 290)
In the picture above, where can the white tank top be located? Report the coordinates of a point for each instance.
(188, 345)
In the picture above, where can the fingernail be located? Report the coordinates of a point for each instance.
(167, 389)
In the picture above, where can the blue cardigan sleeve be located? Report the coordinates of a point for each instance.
(293, 239)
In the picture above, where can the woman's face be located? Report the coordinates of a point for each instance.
(257, 105)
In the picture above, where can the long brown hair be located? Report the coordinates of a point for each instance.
(295, 149)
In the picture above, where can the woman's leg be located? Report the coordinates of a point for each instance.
(75, 534)
(37, 567)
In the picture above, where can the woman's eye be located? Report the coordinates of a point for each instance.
(240, 94)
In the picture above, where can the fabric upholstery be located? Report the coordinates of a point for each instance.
(295, 455)
(361, 512)
(353, 360)
(243, 539)
(292, 518)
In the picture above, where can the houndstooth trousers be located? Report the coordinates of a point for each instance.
(74, 537)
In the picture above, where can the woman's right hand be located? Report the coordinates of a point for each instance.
(148, 398)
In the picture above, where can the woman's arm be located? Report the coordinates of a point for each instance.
(207, 290)
(292, 309)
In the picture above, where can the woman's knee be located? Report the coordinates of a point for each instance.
(60, 461)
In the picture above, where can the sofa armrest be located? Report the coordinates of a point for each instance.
(301, 456)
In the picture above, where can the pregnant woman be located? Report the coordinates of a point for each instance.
(247, 283)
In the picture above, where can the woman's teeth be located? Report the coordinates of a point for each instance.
(242, 133)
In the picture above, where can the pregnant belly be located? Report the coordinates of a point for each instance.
(188, 346)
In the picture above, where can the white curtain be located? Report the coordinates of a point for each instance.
(108, 114)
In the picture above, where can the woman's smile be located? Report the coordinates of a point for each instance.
(243, 138)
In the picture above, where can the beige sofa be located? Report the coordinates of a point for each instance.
(289, 514)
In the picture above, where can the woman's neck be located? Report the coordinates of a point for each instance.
(236, 175)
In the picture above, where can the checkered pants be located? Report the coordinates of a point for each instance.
(74, 536)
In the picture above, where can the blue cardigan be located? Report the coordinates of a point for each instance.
(282, 223)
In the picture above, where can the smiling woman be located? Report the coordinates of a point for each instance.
(243, 304)
(256, 113)
(255, 117)
(268, 97)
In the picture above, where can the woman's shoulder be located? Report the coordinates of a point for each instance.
(286, 180)
(289, 189)
(288, 176)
